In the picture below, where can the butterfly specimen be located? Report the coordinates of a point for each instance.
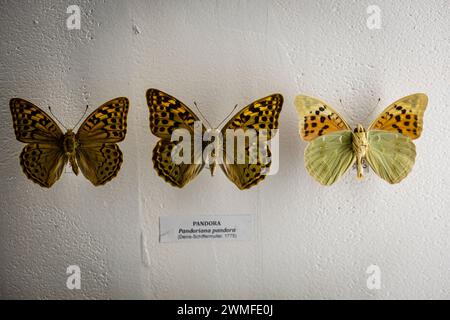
(92, 149)
(168, 114)
(386, 146)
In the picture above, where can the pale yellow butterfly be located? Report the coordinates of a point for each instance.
(386, 146)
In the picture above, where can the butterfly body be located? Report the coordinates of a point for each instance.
(92, 150)
(212, 166)
(167, 114)
(214, 140)
(360, 145)
(386, 145)
(70, 143)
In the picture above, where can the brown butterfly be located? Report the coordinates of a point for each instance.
(168, 114)
(92, 149)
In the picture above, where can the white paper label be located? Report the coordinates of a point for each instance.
(194, 228)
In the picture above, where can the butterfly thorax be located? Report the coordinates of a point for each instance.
(360, 146)
(70, 145)
(210, 156)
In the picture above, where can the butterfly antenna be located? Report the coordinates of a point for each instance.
(85, 111)
(199, 111)
(227, 116)
(50, 109)
(378, 103)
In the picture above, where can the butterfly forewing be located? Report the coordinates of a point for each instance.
(167, 114)
(107, 124)
(317, 118)
(33, 125)
(404, 116)
(261, 114)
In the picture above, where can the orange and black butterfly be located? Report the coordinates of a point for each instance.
(167, 114)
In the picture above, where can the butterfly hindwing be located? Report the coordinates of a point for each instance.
(99, 162)
(43, 163)
(247, 175)
(328, 157)
(390, 154)
(176, 174)
(404, 116)
(33, 125)
(261, 116)
(317, 118)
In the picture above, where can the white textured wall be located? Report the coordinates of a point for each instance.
(311, 242)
